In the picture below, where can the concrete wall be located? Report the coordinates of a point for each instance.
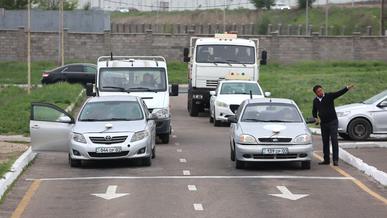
(284, 49)
(75, 21)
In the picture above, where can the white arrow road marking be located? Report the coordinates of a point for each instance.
(110, 193)
(287, 194)
(192, 188)
(183, 160)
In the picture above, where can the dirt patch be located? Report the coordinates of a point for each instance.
(10, 150)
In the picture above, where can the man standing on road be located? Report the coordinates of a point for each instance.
(324, 113)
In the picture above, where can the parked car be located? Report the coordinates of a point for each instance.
(280, 6)
(357, 121)
(73, 73)
(227, 97)
(270, 130)
(110, 127)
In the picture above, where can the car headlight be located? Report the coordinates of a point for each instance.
(137, 136)
(247, 139)
(221, 104)
(303, 139)
(79, 138)
(343, 113)
(161, 113)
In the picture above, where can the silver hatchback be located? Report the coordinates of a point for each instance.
(357, 121)
(111, 127)
(270, 130)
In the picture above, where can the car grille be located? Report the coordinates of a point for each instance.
(275, 156)
(116, 154)
(275, 140)
(234, 107)
(113, 140)
(212, 83)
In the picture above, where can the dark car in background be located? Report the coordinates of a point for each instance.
(72, 73)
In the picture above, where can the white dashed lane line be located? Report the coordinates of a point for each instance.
(192, 188)
(179, 150)
(198, 207)
(183, 160)
(186, 173)
(177, 143)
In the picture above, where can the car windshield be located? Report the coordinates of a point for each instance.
(231, 54)
(376, 98)
(271, 112)
(111, 111)
(236, 88)
(132, 79)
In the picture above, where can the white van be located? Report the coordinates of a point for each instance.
(142, 76)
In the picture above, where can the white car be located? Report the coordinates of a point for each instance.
(280, 6)
(227, 97)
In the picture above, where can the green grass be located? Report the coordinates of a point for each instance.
(178, 72)
(15, 104)
(296, 81)
(5, 166)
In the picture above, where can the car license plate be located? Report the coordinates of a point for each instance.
(274, 151)
(108, 150)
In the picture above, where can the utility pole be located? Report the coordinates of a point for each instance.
(62, 33)
(326, 17)
(29, 47)
(224, 16)
(383, 16)
(307, 18)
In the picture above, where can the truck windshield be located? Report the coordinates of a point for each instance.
(132, 79)
(231, 54)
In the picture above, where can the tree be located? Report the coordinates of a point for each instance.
(13, 4)
(302, 3)
(55, 4)
(263, 3)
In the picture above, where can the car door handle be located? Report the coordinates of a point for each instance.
(35, 127)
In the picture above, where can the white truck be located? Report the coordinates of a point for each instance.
(142, 76)
(211, 59)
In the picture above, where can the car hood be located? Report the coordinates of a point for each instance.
(350, 107)
(152, 99)
(266, 130)
(118, 126)
(235, 99)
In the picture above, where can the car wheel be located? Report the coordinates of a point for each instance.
(232, 153)
(154, 153)
(216, 122)
(211, 118)
(147, 161)
(164, 138)
(344, 136)
(239, 164)
(74, 162)
(359, 129)
(305, 165)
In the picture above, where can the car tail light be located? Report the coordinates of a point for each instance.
(45, 74)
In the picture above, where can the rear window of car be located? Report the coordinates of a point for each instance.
(111, 111)
(74, 68)
(271, 112)
(240, 88)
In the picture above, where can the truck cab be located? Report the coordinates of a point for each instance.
(142, 76)
(211, 59)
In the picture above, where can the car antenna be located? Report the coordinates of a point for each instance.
(251, 94)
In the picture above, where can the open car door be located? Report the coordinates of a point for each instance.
(50, 128)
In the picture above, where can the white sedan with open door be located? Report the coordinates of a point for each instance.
(113, 127)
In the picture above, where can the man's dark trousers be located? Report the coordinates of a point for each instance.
(329, 130)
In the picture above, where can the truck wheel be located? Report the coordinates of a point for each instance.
(164, 138)
(194, 110)
(359, 129)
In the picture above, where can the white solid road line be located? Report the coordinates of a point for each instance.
(192, 188)
(177, 143)
(198, 207)
(179, 150)
(191, 177)
(186, 173)
(183, 160)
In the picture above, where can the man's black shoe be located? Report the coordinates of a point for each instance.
(336, 163)
(324, 163)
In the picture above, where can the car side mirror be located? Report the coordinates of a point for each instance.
(89, 89)
(212, 93)
(174, 91)
(65, 119)
(383, 104)
(186, 55)
(310, 120)
(232, 119)
(267, 94)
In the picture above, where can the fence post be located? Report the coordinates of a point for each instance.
(369, 30)
(269, 29)
(280, 29)
(299, 30)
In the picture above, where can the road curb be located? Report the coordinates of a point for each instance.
(19, 165)
(16, 169)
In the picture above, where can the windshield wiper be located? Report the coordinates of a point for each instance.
(120, 119)
(222, 62)
(142, 88)
(238, 62)
(254, 120)
(280, 121)
(115, 87)
(89, 120)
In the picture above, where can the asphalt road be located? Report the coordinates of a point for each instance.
(192, 176)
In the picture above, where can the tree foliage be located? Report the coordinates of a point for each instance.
(13, 4)
(302, 3)
(55, 4)
(263, 3)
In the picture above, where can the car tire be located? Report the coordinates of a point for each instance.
(164, 138)
(211, 119)
(216, 122)
(154, 153)
(239, 164)
(345, 136)
(193, 110)
(74, 162)
(147, 161)
(232, 153)
(305, 165)
(359, 129)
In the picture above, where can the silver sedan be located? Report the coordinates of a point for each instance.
(270, 129)
(110, 127)
(357, 121)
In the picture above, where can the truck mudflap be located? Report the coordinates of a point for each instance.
(200, 96)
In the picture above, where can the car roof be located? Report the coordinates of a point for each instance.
(113, 98)
(272, 100)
